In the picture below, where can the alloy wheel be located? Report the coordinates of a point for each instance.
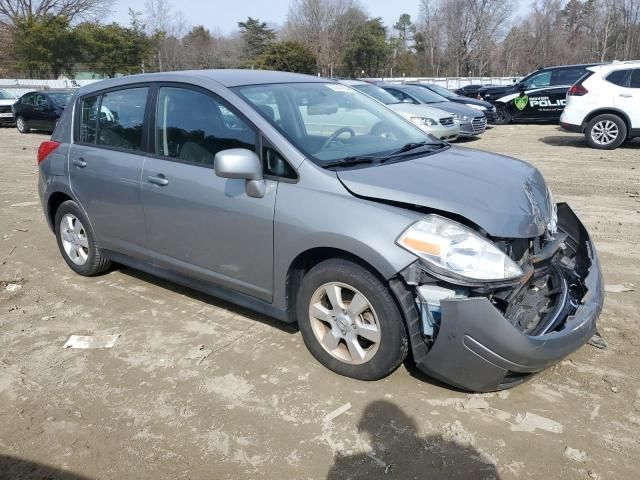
(345, 323)
(74, 239)
(605, 132)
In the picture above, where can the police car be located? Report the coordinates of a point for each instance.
(538, 97)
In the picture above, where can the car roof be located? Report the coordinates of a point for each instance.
(615, 65)
(225, 77)
(562, 67)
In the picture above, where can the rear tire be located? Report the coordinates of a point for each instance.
(350, 321)
(76, 241)
(22, 125)
(606, 132)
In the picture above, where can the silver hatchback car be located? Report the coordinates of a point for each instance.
(310, 202)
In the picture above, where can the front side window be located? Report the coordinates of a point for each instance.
(88, 119)
(619, 77)
(539, 80)
(328, 121)
(424, 95)
(121, 118)
(193, 126)
(635, 79)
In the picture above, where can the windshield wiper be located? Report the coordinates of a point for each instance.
(355, 160)
(351, 161)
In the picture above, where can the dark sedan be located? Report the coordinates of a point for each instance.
(470, 91)
(40, 110)
(485, 107)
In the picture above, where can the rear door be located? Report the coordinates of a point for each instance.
(627, 97)
(105, 164)
(199, 224)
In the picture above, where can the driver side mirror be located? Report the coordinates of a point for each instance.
(521, 86)
(240, 163)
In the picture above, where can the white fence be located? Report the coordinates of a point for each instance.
(20, 86)
(453, 83)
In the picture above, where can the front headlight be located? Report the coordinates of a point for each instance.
(423, 121)
(477, 107)
(460, 118)
(449, 247)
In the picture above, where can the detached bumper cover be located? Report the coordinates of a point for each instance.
(478, 349)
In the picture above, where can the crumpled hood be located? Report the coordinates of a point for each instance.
(504, 196)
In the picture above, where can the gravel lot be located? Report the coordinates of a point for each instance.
(251, 402)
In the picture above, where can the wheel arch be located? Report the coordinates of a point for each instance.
(55, 200)
(311, 257)
(607, 111)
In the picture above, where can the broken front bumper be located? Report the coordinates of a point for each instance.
(477, 349)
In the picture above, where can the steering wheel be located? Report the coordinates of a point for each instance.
(334, 136)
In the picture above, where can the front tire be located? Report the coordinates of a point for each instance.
(502, 117)
(22, 125)
(350, 321)
(606, 132)
(76, 241)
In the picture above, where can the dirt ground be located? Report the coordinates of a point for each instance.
(199, 389)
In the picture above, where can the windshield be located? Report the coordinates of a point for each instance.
(442, 91)
(60, 98)
(330, 121)
(377, 93)
(424, 95)
(4, 95)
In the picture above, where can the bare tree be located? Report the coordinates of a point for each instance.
(13, 10)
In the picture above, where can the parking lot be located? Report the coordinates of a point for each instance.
(196, 388)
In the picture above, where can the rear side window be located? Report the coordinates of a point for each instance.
(89, 119)
(28, 99)
(619, 77)
(193, 126)
(566, 76)
(121, 118)
(635, 79)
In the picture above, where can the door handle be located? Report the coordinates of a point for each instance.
(158, 180)
(625, 95)
(79, 162)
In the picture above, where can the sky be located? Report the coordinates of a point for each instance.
(223, 15)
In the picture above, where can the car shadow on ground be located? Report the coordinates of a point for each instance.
(466, 140)
(578, 141)
(16, 468)
(208, 299)
(397, 450)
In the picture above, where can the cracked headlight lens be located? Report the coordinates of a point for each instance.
(424, 121)
(450, 247)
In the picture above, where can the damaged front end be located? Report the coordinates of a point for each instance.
(496, 335)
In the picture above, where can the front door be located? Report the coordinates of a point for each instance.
(199, 224)
(105, 164)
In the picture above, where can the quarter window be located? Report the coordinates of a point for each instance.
(88, 119)
(193, 126)
(121, 118)
(619, 77)
(635, 79)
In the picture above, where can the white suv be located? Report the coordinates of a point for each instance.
(605, 105)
